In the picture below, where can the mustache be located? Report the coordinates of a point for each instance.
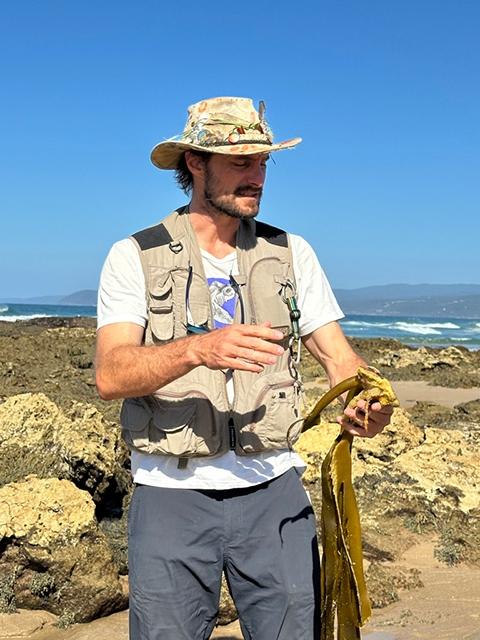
(245, 190)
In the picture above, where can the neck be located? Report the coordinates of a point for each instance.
(215, 231)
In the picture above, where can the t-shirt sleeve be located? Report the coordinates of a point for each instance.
(121, 292)
(315, 298)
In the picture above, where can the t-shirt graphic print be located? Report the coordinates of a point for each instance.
(223, 299)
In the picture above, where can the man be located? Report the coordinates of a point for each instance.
(198, 320)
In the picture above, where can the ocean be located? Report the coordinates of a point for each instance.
(10, 312)
(415, 331)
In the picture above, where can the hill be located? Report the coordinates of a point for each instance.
(425, 300)
(437, 301)
(86, 297)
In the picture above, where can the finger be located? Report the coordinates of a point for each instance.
(242, 365)
(374, 405)
(260, 331)
(361, 404)
(376, 422)
(255, 355)
(378, 408)
(355, 415)
(355, 429)
(264, 345)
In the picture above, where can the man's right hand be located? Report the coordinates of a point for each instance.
(246, 347)
(126, 368)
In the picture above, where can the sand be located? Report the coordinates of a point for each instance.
(411, 391)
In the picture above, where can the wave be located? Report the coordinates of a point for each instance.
(427, 325)
(421, 329)
(29, 317)
(358, 323)
(441, 325)
(431, 325)
(3, 308)
(425, 328)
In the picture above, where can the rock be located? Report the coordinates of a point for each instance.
(52, 356)
(450, 367)
(386, 581)
(36, 436)
(313, 445)
(427, 414)
(445, 459)
(23, 623)
(398, 437)
(54, 556)
(463, 417)
(428, 359)
(227, 611)
(114, 627)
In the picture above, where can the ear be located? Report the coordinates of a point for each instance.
(195, 164)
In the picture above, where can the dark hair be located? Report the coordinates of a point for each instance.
(183, 175)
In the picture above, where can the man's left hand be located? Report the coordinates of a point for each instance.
(353, 419)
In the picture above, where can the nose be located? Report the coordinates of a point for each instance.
(256, 175)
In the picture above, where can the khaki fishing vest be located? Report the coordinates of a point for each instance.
(192, 415)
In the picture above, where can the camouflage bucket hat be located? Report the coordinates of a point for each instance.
(221, 125)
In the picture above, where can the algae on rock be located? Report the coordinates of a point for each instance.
(51, 543)
(36, 436)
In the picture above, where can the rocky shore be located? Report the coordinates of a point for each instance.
(65, 489)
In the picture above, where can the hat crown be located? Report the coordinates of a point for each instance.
(227, 126)
(222, 121)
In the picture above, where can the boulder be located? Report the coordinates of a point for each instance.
(399, 436)
(38, 437)
(53, 554)
(26, 624)
(427, 358)
(227, 612)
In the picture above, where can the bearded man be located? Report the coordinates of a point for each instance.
(211, 406)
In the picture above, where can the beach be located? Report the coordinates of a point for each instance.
(417, 486)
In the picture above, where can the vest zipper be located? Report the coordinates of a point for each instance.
(232, 436)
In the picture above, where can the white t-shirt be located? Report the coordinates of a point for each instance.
(122, 298)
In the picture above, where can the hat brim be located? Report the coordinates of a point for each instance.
(166, 155)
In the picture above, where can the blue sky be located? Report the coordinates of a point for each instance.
(384, 93)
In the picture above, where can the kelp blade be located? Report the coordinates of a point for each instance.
(343, 585)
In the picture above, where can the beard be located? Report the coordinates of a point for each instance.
(232, 204)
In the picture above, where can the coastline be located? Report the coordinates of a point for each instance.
(440, 394)
(414, 330)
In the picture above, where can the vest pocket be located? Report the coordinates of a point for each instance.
(160, 306)
(267, 279)
(169, 424)
(267, 427)
(135, 418)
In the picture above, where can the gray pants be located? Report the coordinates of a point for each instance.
(263, 538)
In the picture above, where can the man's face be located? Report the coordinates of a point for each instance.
(233, 184)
